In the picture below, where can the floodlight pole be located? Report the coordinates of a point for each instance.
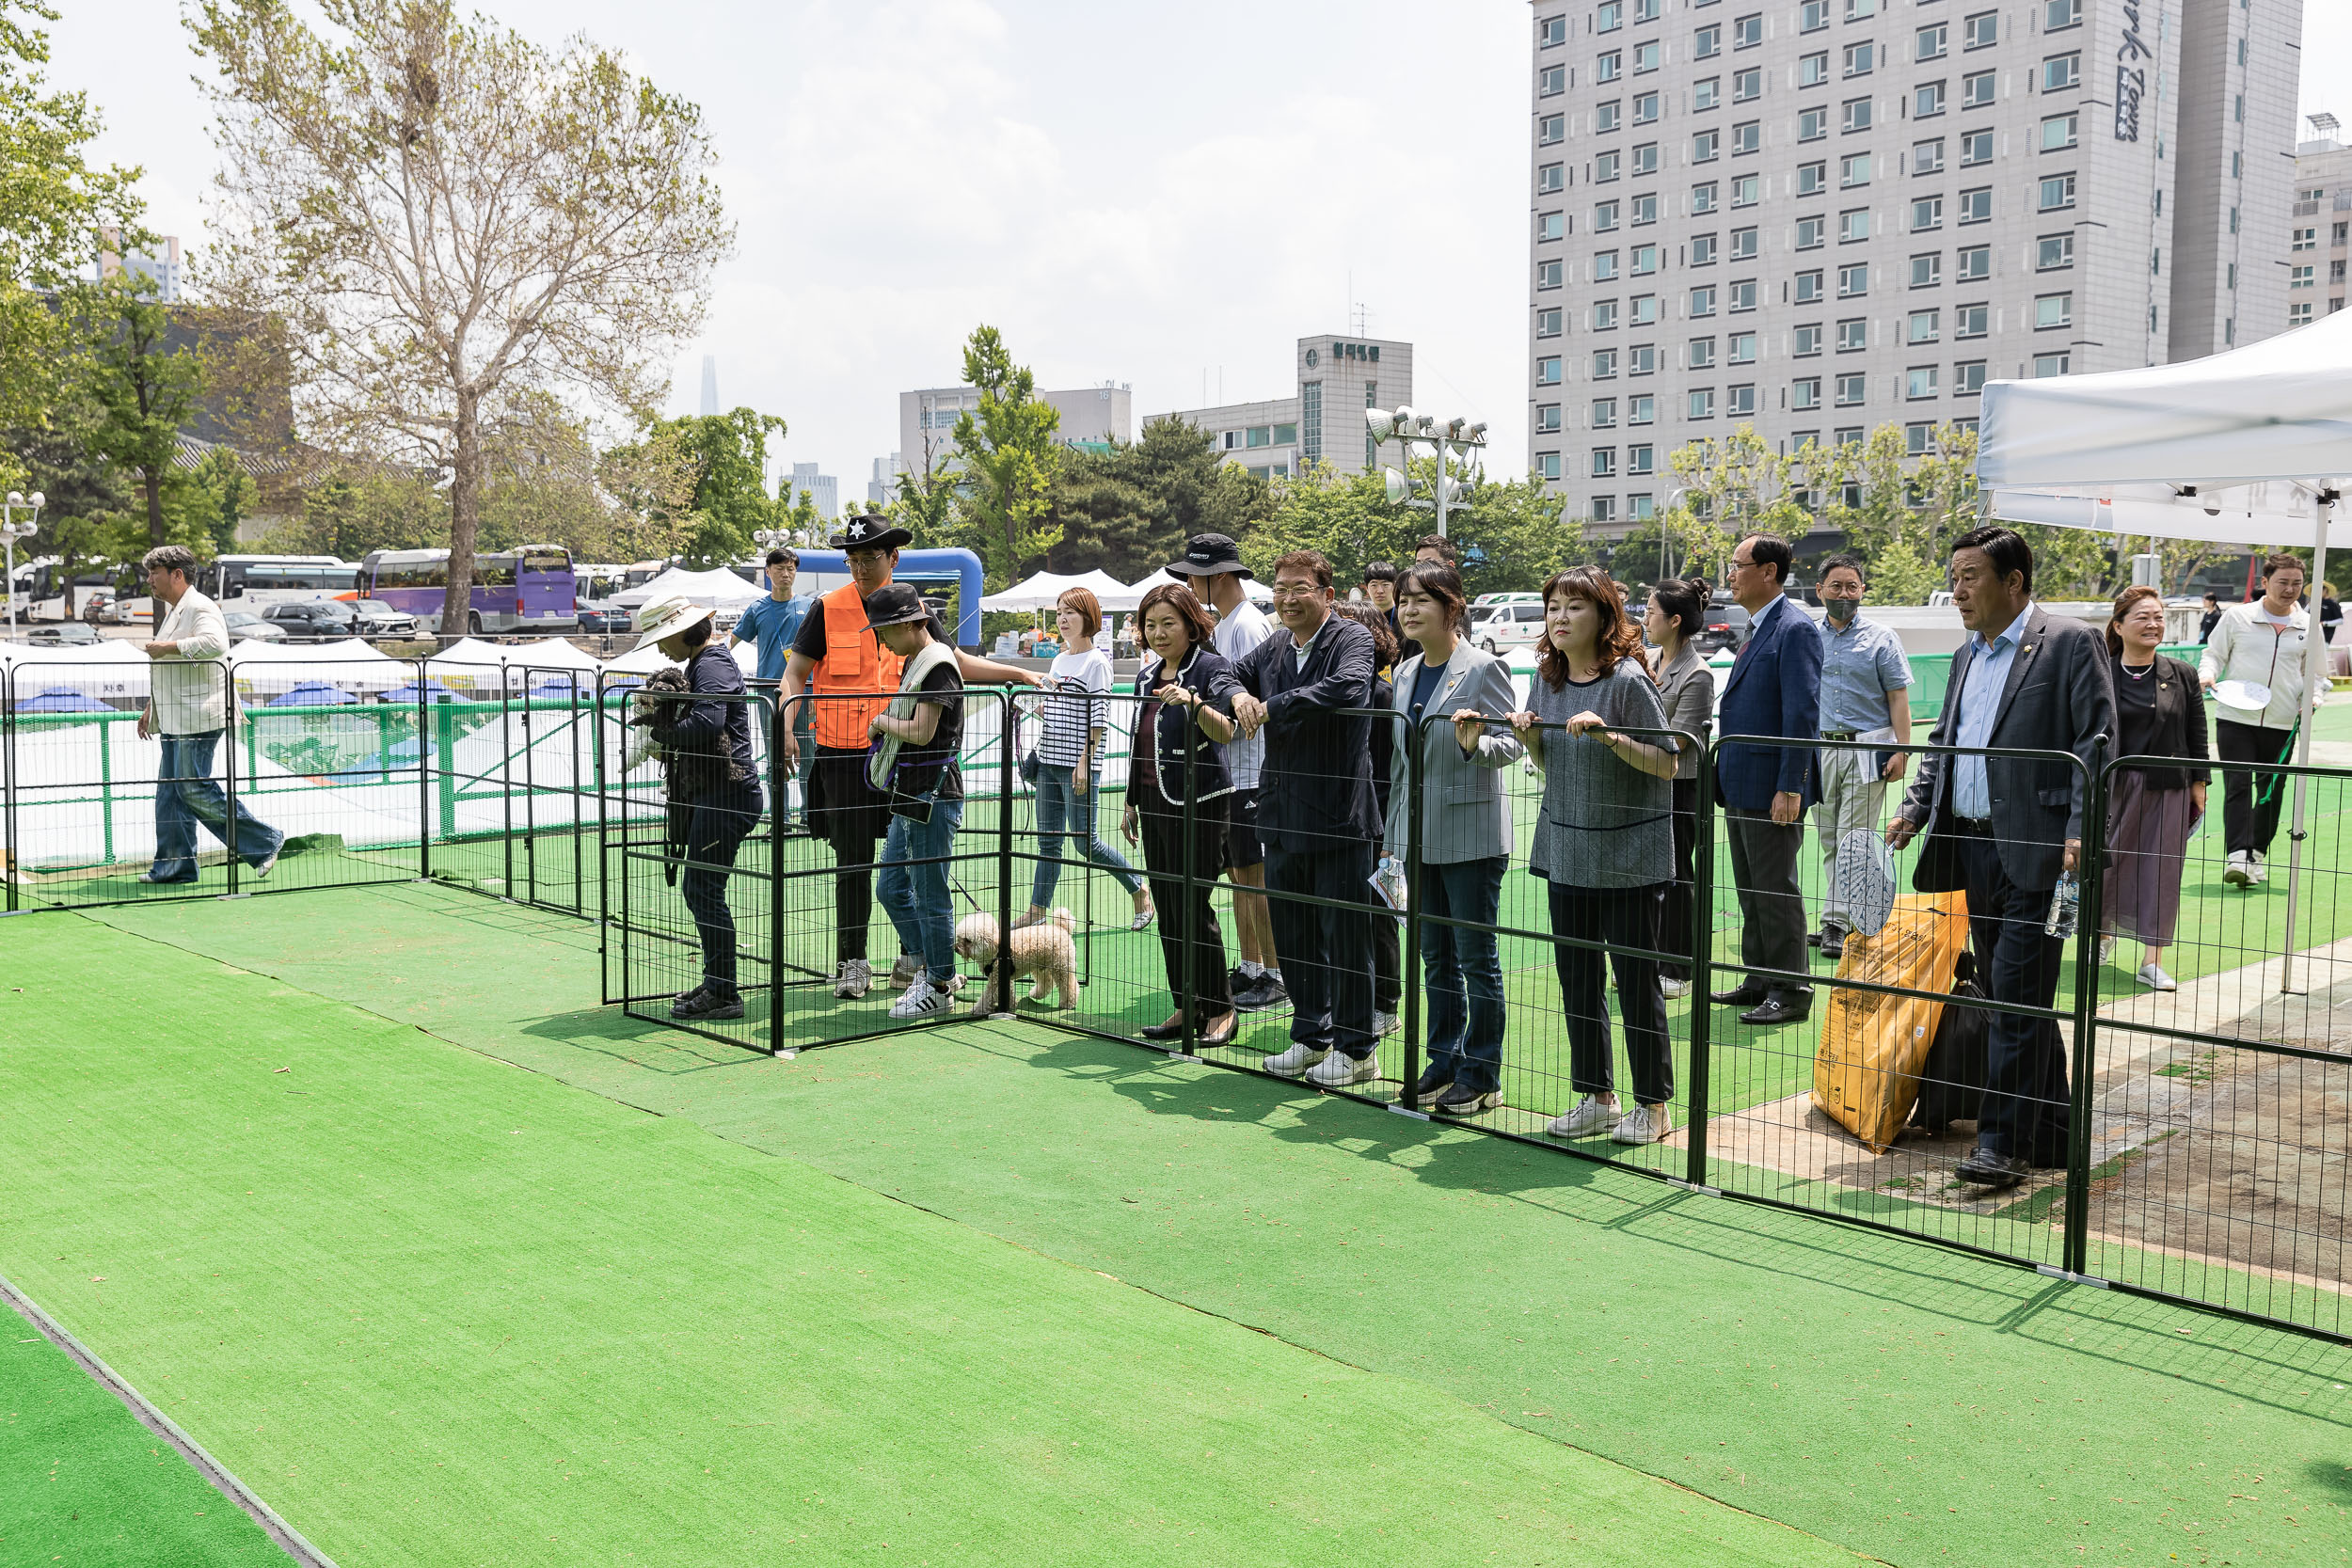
(10, 531)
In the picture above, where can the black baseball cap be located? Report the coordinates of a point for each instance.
(1208, 554)
(895, 604)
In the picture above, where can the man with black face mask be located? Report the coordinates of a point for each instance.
(1865, 696)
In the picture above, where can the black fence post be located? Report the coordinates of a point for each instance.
(1006, 773)
(424, 780)
(2090, 872)
(1702, 955)
(1188, 1003)
(230, 738)
(1409, 956)
(506, 781)
(779, 733)
(7, 762)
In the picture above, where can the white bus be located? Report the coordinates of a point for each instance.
(254, 583)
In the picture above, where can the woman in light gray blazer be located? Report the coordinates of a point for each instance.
(1677, 612)
(1465, 833)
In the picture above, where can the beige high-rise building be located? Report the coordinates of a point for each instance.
(1821, 216)
(2320, 223)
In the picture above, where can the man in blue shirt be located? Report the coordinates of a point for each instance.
(771, 623)
(1865, 696)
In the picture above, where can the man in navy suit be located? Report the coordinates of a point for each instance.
(1317, 816)
(1774, 688)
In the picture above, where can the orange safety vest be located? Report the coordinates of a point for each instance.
(854, 660)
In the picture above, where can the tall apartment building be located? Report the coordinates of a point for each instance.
(825, 490)
(2234, 171)
(1821, 216)
(1336, 378)
(2317, 232)
(164, 266)
(927, 419)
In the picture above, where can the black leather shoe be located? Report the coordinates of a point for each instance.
(1433, 1081)
(1462, 1100)
(1747, 994)
(1171, 1030)
(1833, 942)
(1776, 1010)
(1985, 1168)
(1221, 1029)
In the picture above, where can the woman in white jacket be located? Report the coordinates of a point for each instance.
(2254, 666)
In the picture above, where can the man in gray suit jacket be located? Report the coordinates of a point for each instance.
(2006, 828)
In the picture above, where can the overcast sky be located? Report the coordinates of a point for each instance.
(1155, 195)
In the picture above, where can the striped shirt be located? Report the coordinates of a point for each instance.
(1077, 683)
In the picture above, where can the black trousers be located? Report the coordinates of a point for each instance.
(1673, 915)
(1325, 953)
(2247, 821)
(1188, 918)
(714, 832)
(1626, 919)
(2026, 1108)
(853, 817)
(1772, 905)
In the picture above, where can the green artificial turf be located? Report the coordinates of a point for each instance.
(439, 1312)
(1909, 1403)
(83, 1483)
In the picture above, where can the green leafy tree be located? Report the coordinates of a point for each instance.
(446, 216)
(210, 501)
(1348, 519)
(1514, 534)
(143, 391)
(1009, 459)
(1732, 486)
(1129, 510)
(708, 481)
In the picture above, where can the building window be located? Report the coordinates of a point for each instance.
(1813, 69)
(1552, 226)
(1853, 335)
(2060, 71)
(1927, 212)
(1548, 464)
(1860, 60)
(1849, 391)
(1976, 149)
(2048, 365)
(1604, 412)
(1926, 100)
(2059, 132)
(1747, 190)
(1546, 275)
(1808, 286)
(1971, 321)
(1931, 43)
(1747, 86)
(1604, 462)
(1551, 80)
(1927, 157)
(1747, 136)
(1806, 392)
(1705, 147)
(1809, 232)
(1641, 360)
(1972, 262)
(1551, 130)
(1645, 59)
(2306, 239)
(1981, 31)
(1546, 417)
(1742, 348)
(1552, 32)
(2058, 192)
(1604, 364)
(1919, 438)
(1645, 11)
(1609, 66)
(1748, 31)
(1706, 92)
(1976, 206)
(1812, 178)
(1707, 42)
(1855, 115)
(1854, 224)
(2299, 314)
(1703, 196)
(1550, 177)
(2057, 14)
(1807, 341)
(1547, 322)
(1738, 403)
(2054, 252)
(1702, 251)
(1812, 16)
(1812, 124)
(1922, 381)
(1845, 436)
(1640, 460)
(1604, 216)
(1743, 245)
(1702, 303)
(1646, 158)
(1643, 311)
(1976, 91)
(1927, 271)
(1604, 508)
(1606, 165)
(1608, 115)
(1853, 281)
(1702, 355)
(1604, 315)
(1968, 378)
(2051, 311)
(1854, 169)
(1644, 259)
(1743, 296)
(1857, 10)
(1924, 327)
(1642, 409)
(2301, 278)
(1547, 371)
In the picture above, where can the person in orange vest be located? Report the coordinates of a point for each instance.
(854, 679)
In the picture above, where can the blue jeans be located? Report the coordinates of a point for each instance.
(916, 895)
(186, 796)
(1057, 803)
(1463, 970)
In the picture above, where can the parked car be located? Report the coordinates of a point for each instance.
(96, 608)
(64, 635)
(244, 627)
(597, 619)
(312, 620)
(1727, 626)
(1516, 623)
(374, 618)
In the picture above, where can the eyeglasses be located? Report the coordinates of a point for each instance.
(1298, 591)
(1738, 564)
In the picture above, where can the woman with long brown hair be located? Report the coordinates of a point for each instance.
(2159, 712)
(1604, 843)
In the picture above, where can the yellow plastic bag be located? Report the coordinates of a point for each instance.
(1873, 1045)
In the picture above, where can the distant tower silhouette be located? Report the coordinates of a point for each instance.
(710, 385)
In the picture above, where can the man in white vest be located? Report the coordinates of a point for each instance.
(189, 706)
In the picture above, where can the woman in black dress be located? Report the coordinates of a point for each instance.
(2160, 712)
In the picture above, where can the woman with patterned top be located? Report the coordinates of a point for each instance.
(1070, 760)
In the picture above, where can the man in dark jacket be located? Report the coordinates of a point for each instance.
(2006, 828)
(1307, 692)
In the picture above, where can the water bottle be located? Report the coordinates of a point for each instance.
(2065, 905)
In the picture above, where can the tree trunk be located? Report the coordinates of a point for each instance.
(155, 480)
(465, 517)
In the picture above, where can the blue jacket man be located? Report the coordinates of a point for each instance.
(1774, 690)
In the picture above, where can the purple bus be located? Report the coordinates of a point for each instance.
(529, 588)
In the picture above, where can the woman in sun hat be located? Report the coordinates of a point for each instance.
(705, 738)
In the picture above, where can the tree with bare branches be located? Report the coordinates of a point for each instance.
(450, 219)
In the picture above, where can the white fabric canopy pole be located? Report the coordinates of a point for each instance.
(2315, 670)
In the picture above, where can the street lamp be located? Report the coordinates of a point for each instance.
(1409, 430)
(11, 531)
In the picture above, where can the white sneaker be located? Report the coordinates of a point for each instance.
(1297, 1059)
(1590, 1117)
(1674, 990)
(2107, 949)
(2257, 867)
(1338, 1070)
(1386, 1023)
(905, 970)
(2154, 978)
(1645, 1124)
(2237, 873)
(856, 978)
(921, 1000)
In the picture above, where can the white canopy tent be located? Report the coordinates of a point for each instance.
(2248, 447)
(1131, 598)
(1039, 591)
(718, 588)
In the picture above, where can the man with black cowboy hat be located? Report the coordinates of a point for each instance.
(853, 679)
(1213, 564)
